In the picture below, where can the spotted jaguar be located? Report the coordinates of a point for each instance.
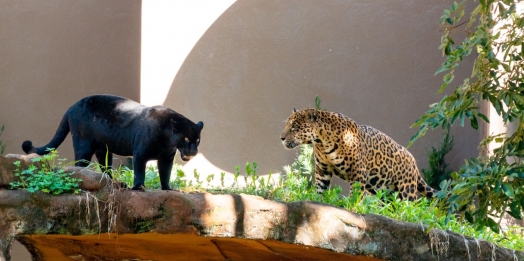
(354, 152)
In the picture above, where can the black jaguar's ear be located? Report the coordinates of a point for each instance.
(200, 125)
(294, 109)
(173, 125)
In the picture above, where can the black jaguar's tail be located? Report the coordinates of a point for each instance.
(60, 135)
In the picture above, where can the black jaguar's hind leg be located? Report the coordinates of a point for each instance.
(105, 159)
(83, 152)
(82, 159)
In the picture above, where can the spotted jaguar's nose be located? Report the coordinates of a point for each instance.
(283, 136)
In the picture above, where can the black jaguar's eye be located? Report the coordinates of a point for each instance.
(186, 139)
(198, 140)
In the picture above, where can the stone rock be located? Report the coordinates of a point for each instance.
(91, 180)
(7, 167)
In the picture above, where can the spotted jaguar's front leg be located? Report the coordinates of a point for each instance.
(361, 179)
(323, 175)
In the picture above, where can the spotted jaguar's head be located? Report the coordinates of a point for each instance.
(299, 128)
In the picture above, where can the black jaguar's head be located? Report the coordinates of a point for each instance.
(299, 128)
(188, 138)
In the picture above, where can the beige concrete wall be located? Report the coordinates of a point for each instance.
(373, 61)
(55, 52)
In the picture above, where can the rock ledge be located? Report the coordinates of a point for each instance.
(121, 211)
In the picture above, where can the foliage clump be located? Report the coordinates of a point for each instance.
(492, 184)
(47, 176)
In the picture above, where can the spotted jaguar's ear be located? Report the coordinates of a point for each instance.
(294, 109)
(310, 117)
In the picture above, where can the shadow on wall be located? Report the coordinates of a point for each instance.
(374, 62)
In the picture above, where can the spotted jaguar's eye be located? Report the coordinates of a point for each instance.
(292, 129)
(186, 139)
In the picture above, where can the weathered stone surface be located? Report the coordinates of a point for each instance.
(91, 180)
(7, 167)
(239, 216)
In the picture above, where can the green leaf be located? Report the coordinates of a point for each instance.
(454, 6)
(498, 185)
(515, 210)
(455, 116)
(449, 48)
(493, 225)
(417, 135)
(484, 117)
(474, 123)
(469, 217)
(508, 189)
(442, 68)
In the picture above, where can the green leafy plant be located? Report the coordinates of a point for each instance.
(490, 185)
(438, 170)
(46, 176)
(2, 144)
(180, 180)
(304, 164)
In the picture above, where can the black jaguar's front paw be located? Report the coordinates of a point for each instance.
(166, 188)
(139, 187)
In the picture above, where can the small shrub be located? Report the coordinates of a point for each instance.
(180, 180)
(121, 174)
(304, 164)
(438, 170)
(48, 178)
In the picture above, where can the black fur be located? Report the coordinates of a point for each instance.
(106, 124)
